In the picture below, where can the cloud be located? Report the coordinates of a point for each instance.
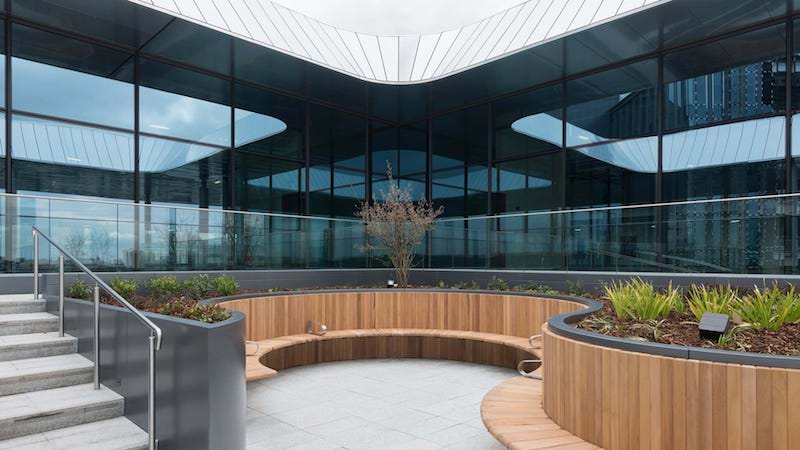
(392, 17)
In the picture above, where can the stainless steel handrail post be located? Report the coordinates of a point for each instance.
(151, 400)
(155, 332)
(61, 295)
(35, 234)
(96, 337)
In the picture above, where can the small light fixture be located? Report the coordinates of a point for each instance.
(391, 284)
(713, 325)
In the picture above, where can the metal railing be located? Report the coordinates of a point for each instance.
(155, 331)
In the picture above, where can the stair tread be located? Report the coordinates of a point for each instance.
(17, 406)
(48, 364)
(27, 317)
(113, 434)
(19, 298)
(17, 340)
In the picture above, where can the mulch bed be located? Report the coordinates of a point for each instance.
(681, 329)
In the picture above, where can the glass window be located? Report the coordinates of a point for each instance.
(530, 184)
(72, 79)
(193, 44)
(336, 179)
(528, 123)
(269, 184)
(87, 91)
(268, 67)
(738, 159)
(460, 89)
(612, 174)
(615, 104)
(459, 177)
(269, 123)
(187, 105)
(336, 88)
(181, 173)
(733, 78)
(690, 21)
(398, 103)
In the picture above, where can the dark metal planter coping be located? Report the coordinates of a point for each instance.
(563, 325)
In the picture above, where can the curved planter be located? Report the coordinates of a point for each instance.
(625, 394)
(514, 314)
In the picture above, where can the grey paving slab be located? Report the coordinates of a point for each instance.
(404, 404)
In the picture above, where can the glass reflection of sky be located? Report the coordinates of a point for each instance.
(736, 143)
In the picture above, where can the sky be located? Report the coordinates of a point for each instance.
(401, 17)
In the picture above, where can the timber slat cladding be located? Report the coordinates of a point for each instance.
(511, 315)
(625, 400)
(512, 412)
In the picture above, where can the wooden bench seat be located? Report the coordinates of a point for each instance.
(512, 412)
(267, 356)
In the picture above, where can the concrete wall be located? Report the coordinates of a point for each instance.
(200, 379)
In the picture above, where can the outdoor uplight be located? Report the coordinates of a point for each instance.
(391, 284)
(713, 325)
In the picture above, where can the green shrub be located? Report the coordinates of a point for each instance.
(497, 284)
(530, 286)
(718, 299)
(198, 288)
(639, 300)
(165, 287)
(768, 309)
(80, 289)
(225, 285)
(575, 288)
(189, 309)
(125, 288)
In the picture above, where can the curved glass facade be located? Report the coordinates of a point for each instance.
(616, 148)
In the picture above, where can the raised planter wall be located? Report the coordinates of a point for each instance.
(619, 399)
(270, 316)
(201, 392)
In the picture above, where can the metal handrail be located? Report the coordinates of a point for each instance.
(532, 338)
(155, 332)
(531, 374)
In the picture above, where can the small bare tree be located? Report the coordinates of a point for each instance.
(397, 225)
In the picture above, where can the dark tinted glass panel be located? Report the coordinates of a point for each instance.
(732, 78)
(694, 20)
(513, 72)
(179, 103)
(739, 159)
(180, 173)
(115, 21)
(193, 44)
(460, 153)
(620, 39)
(530, 184)
(383, 149)
(261, 65)
(268, 184)
(57, 157)
(615, 104)
(333, 87)
(269, 123)
(61, 77)
(617, 173)
(460, 89)
(413, 154)
(336, 180)
(398, 103)
(528, 123)
(796, 153)
(796, 67)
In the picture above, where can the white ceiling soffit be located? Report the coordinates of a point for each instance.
(399, 59)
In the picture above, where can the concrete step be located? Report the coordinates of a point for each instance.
(36, 374)
(112, 434)
(20, 303)
(36, 345)
(51, 409)
(38, 322)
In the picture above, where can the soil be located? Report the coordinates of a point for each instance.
(681, 329)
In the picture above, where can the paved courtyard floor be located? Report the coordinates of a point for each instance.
(408, 404)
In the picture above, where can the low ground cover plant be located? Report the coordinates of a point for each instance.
(168, 295)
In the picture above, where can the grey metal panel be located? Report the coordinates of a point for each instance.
(416, 58)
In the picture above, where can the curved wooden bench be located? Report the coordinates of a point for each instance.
(267, 356)
(512, 412)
